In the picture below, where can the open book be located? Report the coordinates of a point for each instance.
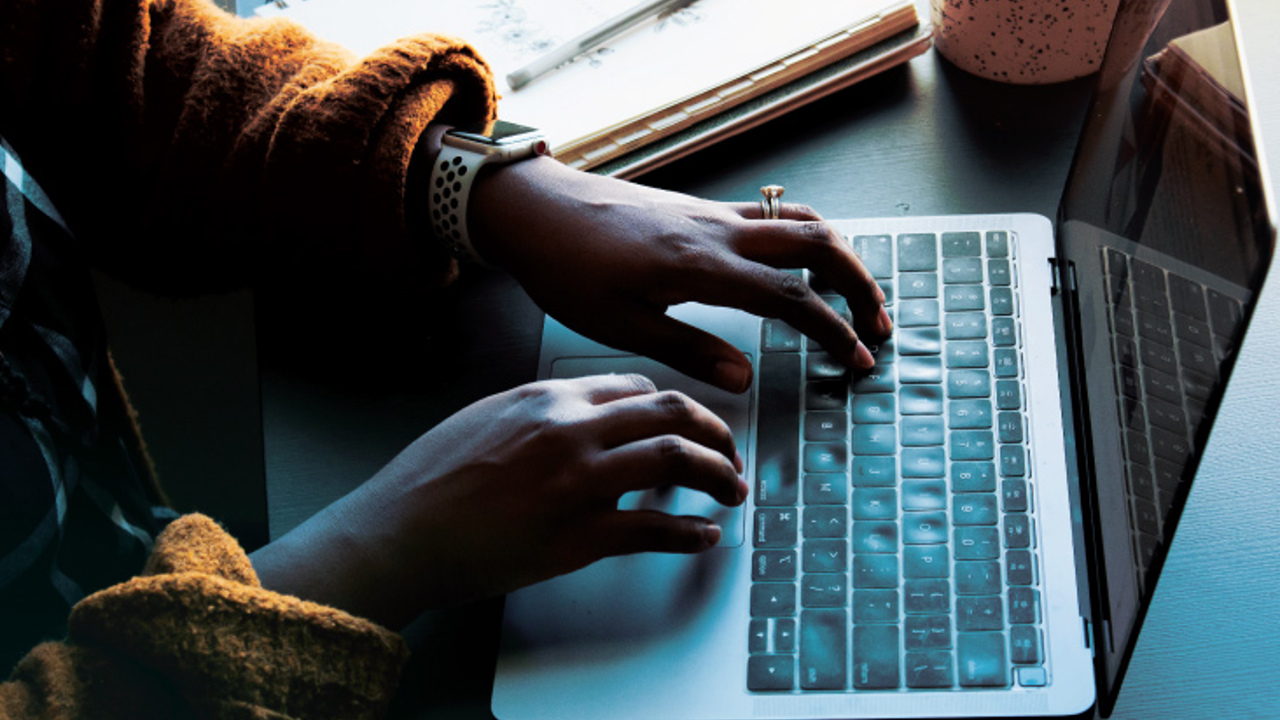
(658, 81)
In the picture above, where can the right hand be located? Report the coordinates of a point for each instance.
(514, 489)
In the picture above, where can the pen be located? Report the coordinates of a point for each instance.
(588, 40)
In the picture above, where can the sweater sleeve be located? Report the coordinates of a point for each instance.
(192, 151)
(197, 636)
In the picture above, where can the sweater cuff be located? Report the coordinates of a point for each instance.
(201, 620)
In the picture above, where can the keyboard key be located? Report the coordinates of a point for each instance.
(977, 578)
(773, 565)
(825, 488)
(1024, 645)
(924, 495)
(875, 606)
(826, 426)
(784, 635)
(1168, 446)
(758, 636)
(918, 313)
(1001, 301)
(923, 462)
(875, 537)
(874, 409)
(776, 527)
(961, 244)
(999, 273)
(875, 471)
(876, 252)
(825, 521)
(875, 657)
(924, 528)
(918, 285)
(1008, 395)
(874, 440)
(823, 659)
(981, 660)
(926, 597)
(1004, 333)
(997, 244)
(968, 384)
(963, 297)
(826, 555)
(1009, 427)
(825, 589)
(1166, 415)
(921, 400)
(773, 600)
(1224, 314)
(1024, 605)
(977, 542)
(919, 341)
(875, 504)
(878, 379)
(826, 457)
(967, 355)
(929, 669)
(822, 395)
(1158, 356)
(975, 509)
(926, 561)
(777, 336)
(1192, 330)
(984, 612)
(821, 366)
(875, 571)
(1187, 297)
(917, 251)
(923, 431)
(927, 632)
(770, 673)
(968, 477)
(1020, 568)
(1198, 359)
(972, 445)
(1006, 363)
(1014, 495)
(1017, 530)
(777, 457)
(1013, 461)
(961, 271)
(920, 370)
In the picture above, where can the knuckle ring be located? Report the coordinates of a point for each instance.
(771, 203)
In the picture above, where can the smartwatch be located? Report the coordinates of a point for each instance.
(463, 152)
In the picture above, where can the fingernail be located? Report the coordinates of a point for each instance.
(711, 534)
(862, 357)
(886, 325)
(743, 489)
(732, 376)
(738, 463)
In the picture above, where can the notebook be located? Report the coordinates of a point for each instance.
(974, 528)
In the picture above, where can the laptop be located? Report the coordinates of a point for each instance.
(975, 527)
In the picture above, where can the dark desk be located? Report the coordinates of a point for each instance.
(924, 139)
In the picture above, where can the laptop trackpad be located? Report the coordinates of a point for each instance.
(734, 409)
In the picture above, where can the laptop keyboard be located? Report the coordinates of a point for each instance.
(1170, 335)
(894, 533)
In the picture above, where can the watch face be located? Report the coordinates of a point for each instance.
(503, 132)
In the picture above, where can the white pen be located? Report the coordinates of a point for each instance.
(589, 40)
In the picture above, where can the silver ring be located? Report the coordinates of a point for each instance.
(771, 204)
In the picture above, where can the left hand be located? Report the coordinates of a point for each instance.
(608, 257)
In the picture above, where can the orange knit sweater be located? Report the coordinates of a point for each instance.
(190, 151)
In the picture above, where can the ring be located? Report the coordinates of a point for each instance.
(770, 205)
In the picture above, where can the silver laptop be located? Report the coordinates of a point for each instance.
(975, 527)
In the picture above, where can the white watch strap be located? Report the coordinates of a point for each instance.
(451, 177)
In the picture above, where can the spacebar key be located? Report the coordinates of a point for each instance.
(778, 430)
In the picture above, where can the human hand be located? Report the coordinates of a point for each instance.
(607, 258)
(514, 489)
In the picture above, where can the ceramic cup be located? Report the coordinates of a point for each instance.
(1023, 41)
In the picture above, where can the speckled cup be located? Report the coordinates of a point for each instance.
(1023, 41)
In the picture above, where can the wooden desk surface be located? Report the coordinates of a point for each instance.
(924, 139)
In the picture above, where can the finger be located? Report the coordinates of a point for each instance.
(774, 293)
(669, 460)
(663, 413)
(786, 211)
(602, 389)
(626, 532)
(694, 352)
(816, 245)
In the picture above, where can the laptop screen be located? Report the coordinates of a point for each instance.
(1164, 226)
